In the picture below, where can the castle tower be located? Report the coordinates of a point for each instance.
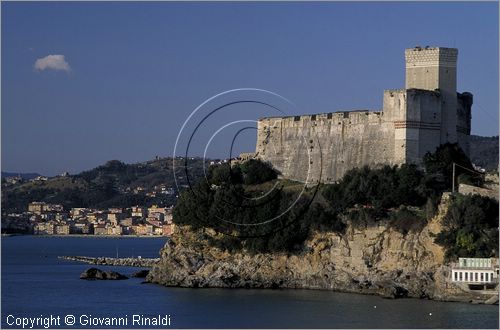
(435, 68)
(415, 120)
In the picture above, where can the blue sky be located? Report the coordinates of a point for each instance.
(137, 70)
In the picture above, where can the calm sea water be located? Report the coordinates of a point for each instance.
(35, 283)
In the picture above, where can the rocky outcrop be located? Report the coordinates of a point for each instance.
(141, 274)
(371, 260)
(97, 274)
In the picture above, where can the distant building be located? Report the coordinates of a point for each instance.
(62, 229)
(44, 228)
(61, 216)
(154, 221)
(82, 228)
(115, 218)
(142, 229)
(95, 217)
(114, 230)
(100, 230)
(158, 212)
(168, 229)
(127, 222)
(41, 207)
(139, 211)
(78, 211)
(157, 230)
(168, 217)
(36, 207)
(156, 215)
(475, 270)
(54, 208)
(14, 179)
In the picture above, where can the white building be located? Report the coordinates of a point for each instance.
(475, 270)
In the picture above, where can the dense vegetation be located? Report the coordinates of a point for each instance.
(471, 227)
(405, 197)
(247, 217)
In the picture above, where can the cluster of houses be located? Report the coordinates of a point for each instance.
(12, 180)
(52, 219)
(152, 192)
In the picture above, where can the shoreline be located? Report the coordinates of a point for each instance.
(464, 299)
(345, 291)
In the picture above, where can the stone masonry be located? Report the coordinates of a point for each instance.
(414, 120)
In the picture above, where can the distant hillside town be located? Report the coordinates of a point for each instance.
(111, 199)
(52, 219)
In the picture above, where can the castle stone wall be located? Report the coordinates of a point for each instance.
(307, 148)
(414, 120)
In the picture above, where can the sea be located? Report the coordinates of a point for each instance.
(41, 291)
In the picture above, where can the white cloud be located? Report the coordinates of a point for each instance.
(54, 62)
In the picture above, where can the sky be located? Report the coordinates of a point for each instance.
(84, 83)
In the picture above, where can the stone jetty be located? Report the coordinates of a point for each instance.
(106, 261)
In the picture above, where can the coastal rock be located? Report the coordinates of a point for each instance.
(141, 274)
(97, 274)
(375, 259)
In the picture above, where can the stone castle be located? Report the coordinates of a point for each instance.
(414, 120)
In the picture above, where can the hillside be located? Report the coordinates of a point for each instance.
(114, 184)
(484, 151)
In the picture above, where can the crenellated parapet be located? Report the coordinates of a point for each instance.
(431, 56)
(322, 119)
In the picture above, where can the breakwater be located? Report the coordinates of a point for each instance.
(106, 261)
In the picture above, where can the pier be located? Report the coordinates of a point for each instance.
(107, 261)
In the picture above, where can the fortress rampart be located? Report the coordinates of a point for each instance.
(413, 121)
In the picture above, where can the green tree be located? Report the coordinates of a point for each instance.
(470, 227)
(439, 165)
(255, 171)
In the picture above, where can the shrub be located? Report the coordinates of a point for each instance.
(470, 227)
(224, 174)
(439, 165)
(255, 171)
(406, 220)
(379, 188)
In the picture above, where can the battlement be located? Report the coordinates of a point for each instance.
(328, 117)
(431, 56)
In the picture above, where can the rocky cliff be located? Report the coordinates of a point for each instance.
(371, 260)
